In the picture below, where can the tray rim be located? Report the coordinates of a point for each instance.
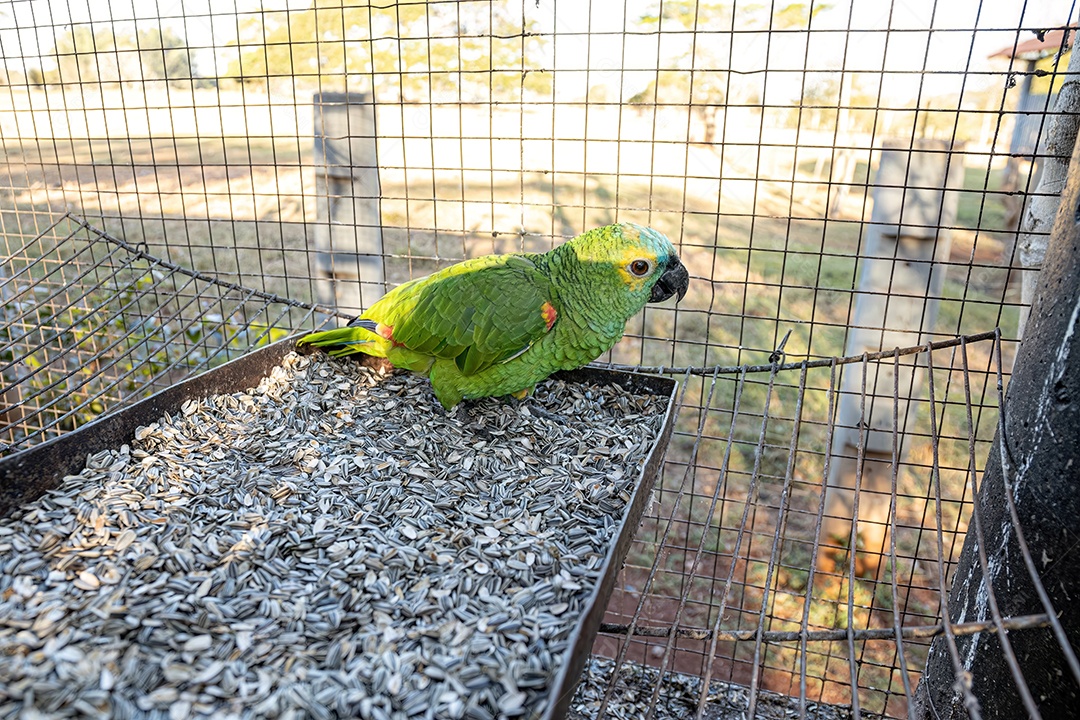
(28, 474)
(588, 624)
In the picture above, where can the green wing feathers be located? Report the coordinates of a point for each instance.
(477, 313)
(346, 341)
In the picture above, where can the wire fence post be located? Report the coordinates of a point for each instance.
(348, 229)
(1028, 506)
(896, 305)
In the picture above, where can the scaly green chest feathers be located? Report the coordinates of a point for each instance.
(499, 324)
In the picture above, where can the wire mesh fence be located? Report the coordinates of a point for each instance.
(182, 185)
(93, 322)
(736, 559)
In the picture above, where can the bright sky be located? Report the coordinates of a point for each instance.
(911, 47)
(28, 28)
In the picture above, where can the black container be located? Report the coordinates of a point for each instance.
(561, 691)
(28, 474)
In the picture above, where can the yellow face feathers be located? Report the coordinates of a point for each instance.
(620, 246)
(636, 266)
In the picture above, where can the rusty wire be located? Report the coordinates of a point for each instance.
(677, 638)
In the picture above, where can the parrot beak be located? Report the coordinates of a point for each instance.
(674, 280)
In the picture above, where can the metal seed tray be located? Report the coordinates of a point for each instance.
(26, 475)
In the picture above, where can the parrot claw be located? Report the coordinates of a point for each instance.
(539, 411)
(469, 421)
(461, 413)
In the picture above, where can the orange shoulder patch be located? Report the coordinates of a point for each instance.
(547, 310)
(387, 332)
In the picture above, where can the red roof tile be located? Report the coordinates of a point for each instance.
(1034, 48)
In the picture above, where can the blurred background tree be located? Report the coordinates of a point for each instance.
(164, 55)
(412, 51)
(708, 91)
(120, 53)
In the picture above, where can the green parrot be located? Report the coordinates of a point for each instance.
(499, 324)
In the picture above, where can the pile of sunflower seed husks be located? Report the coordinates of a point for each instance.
(331, 543)
(629, 694)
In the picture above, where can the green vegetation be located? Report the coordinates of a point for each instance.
(87, 328)
(120, 53)
(409, 50)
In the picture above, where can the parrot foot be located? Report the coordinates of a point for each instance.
(462, 413)
(535, 409)
(469, 420)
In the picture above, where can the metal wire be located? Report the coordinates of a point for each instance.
(61, 363)
(963, 680)
(1026, 622)
(159, 219)
(678, 639)
(1028, 559)
(652, 573)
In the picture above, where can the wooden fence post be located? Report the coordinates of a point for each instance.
(348, 227)
(901, 276)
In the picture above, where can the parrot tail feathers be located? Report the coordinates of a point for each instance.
(347, 341)
(367, 347)
(369, 325)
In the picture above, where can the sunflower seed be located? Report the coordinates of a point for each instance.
(330, 543)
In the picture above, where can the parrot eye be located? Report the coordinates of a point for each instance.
(640, 267)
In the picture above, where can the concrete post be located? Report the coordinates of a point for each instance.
(1036, 464)
(348, 227)
(901, 273)
(1052, 170)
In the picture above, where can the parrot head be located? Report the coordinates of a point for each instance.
(640, 263)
